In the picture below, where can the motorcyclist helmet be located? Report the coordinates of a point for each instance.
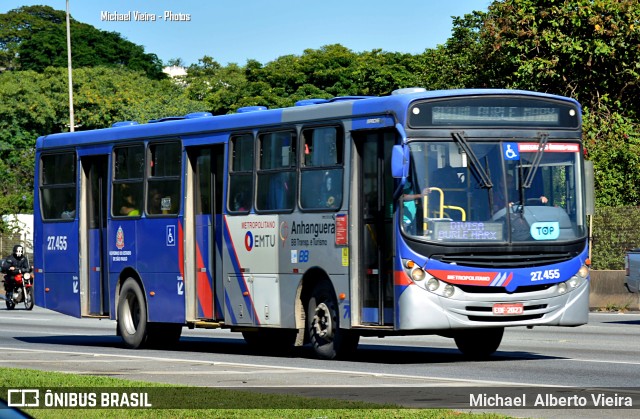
(18, 251)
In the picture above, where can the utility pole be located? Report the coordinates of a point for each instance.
(72, 123)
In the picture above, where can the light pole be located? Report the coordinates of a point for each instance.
(71, 117)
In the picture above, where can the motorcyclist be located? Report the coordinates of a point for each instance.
(13, 265)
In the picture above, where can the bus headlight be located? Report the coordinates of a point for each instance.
(583, 272)
(424, 280)
(575, 281)
(448, 290)
(433, 284)
(418, 274)
(562, 288)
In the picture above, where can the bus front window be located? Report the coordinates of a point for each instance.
(445, 201)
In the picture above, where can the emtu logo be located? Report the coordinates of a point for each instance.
(248, 241)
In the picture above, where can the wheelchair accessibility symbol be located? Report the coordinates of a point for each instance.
(510, 151)
(171, 235)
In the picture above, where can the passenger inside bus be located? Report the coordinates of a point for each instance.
(241, 202)
(155, 202)
(330, 193)
(69, 212)
(129, 206)
(411, 203)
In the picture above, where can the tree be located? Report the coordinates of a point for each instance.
(34, 38)
(20, 24)
(587, 49)
(35, 104)
(613, 142)
(457, 63)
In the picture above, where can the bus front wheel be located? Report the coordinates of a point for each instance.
(479, 343)
(328, 340)
(132, 315)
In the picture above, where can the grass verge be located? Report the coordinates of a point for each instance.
(289, 406)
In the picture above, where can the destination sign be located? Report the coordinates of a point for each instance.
(467, 231)
(493, 111)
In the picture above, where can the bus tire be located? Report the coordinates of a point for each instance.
(323, 325)
(132, 315)
(479, 343)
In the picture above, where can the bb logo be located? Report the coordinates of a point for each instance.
(248, 241)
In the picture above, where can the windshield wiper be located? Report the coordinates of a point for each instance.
(485, 180)
(535, 164)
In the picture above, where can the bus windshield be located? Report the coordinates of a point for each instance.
(493, 191)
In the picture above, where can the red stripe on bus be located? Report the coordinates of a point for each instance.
(205, 294)
(401, 278)
(203, 287)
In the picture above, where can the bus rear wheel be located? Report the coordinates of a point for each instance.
(479, 343)
(132, 315)
(328, 340)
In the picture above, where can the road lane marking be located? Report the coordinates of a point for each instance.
(458, 381)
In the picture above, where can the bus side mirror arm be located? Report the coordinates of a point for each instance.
(400, 156)
(400, 161)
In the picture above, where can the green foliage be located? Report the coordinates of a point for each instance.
(457, 63)
(585, 49)
(34, 38)
(253, 402)
(615, 229)
(34, 104)
(19, 24)
(104, 96)
(16, 188)
(612, 141)
(330, 71)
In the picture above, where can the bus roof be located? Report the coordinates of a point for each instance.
(257, 116)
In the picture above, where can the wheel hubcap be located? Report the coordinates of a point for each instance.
(323, 322)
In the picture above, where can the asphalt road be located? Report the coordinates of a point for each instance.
(602, 354)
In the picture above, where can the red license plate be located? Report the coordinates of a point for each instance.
(508, 309)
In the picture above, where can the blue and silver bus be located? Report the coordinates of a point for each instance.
(456, 213)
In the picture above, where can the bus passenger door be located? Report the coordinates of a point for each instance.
(94, 281)
(375, 235)
(203, 247)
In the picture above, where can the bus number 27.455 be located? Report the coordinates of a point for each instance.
(548, 274)
(56, 242)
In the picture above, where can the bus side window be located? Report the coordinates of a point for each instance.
(321, 174)
(241, 173)
(163, 180)
(58, 190)
(127, 183)
(276, 174)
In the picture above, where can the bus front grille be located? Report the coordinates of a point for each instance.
(504, 261)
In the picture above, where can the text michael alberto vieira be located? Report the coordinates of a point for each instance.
(550, 400)
(136, 16)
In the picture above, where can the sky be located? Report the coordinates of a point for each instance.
(234, 31)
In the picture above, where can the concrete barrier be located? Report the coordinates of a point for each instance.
(609, 293)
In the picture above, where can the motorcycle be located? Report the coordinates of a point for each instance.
(21, 291)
